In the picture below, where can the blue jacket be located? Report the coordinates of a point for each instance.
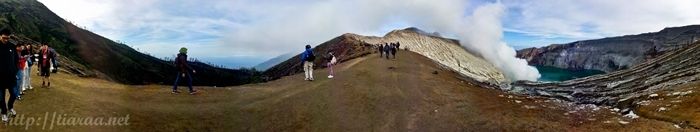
(306, 54)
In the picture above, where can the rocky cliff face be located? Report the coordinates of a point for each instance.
(624, 88)
(611, 54)
(446, 52)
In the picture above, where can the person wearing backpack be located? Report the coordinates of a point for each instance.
(184, 70)
(331, 61)
(307, 58)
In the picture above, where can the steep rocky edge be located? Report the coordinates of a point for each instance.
(624, 88)
(611, 54)
(446, 52)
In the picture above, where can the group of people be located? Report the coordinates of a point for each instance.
(308, 58)
(388, 49)
(15, 70)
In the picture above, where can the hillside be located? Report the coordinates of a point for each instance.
(446, 52)
(625, 88)
(611, 54)
(411, 93)
(95, 55)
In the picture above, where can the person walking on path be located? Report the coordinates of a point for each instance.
(331, 61)
(381, 51)
(184, 70)
(386, 50)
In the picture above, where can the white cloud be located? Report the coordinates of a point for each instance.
(598, 18)
(270, 28)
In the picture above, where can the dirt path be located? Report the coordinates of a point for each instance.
(365, 95)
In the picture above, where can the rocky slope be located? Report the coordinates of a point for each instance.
(611, 54)
(624, 88)
(446, 52)
(344, 48)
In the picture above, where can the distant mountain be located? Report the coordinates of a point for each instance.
(100, 56)
(611, 54)
(274, 61)
(447, 52)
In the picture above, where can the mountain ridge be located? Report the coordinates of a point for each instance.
(447, 52)
(611, 53)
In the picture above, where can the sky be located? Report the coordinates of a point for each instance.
(243, 33)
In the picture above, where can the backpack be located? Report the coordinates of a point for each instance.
(333, 60)
(311, 57)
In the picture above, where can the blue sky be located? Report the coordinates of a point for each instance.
(239, 33)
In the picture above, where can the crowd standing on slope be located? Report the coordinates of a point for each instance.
(388, 49)
(15, 70)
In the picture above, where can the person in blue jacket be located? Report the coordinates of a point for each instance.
(307, 58)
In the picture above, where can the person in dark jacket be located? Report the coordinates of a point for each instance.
(386, 50)
(307, 58)
(8, 74)
(381, 50)
(46, 57)
(184, 70)
(394, 48)
(398, 45)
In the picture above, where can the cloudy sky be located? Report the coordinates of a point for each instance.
(239, 33)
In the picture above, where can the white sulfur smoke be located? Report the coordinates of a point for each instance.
(485, 36)
(283, 29)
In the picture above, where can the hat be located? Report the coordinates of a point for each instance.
(183, 50)
(5, 31)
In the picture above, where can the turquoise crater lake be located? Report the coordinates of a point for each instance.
(549, 73)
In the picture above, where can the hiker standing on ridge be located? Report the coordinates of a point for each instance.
(331, 61)
(398, 45)
(46, 57)
(184, 70)
(381, 50)
(307, 58)
(393, 50)
(30, 61)
(386, 50)
(8, 74)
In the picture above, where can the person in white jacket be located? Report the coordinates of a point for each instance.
(331, 61)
